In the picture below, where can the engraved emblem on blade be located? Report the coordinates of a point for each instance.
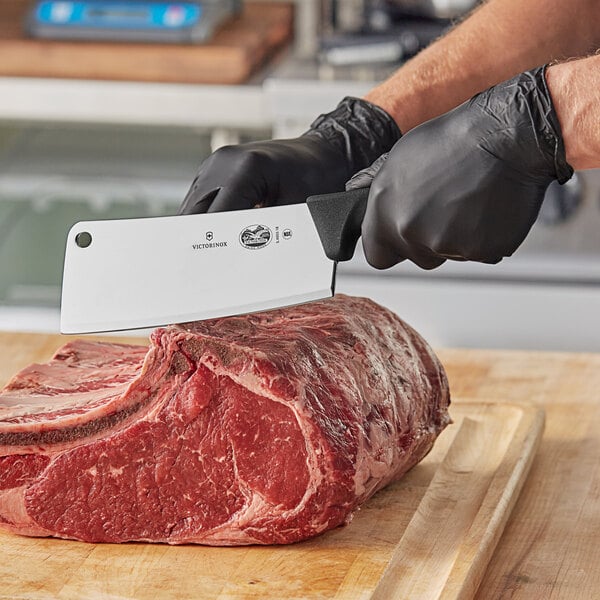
(209, 236)
(287, 234)
(255, 237)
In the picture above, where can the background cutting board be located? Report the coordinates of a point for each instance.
(430, 535)
(233, 54)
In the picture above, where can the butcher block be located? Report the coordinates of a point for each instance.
(454, 527)
(237, 50)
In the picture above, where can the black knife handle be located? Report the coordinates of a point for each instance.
(338, 218)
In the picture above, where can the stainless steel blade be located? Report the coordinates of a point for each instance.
(136, 273)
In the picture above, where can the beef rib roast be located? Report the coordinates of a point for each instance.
(267, 428)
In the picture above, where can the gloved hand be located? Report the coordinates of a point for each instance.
(469, 184)
(336, 146)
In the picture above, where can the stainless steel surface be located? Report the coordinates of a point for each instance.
(131, 273)
(350, 14)
(307, 25)
(441, 9)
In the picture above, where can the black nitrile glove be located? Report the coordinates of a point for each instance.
(336, 146)
(469, 184)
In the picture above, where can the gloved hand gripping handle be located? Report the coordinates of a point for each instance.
(338, 218)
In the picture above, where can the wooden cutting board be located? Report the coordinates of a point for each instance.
(428, 536)
(231, 56)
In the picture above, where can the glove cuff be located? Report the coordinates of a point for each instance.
(547, 123)
(359, 130)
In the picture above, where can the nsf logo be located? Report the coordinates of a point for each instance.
(255, 237)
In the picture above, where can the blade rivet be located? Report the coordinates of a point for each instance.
(83, 239)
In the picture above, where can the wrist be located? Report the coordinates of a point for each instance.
(404, 109)
(573, 87)
(421, 90)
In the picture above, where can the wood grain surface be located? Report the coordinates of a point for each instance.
(549, 549)
(431, 535)
(231, 56)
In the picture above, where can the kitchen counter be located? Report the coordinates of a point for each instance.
(549, 548)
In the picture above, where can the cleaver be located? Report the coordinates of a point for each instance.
(137, 273)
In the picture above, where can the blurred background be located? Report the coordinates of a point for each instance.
(107, 108)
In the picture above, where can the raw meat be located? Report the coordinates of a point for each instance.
(260, 429)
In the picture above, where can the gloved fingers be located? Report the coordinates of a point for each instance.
(419, 254)
(196, 203)
(363, 178)
(492, 260)
(264, 173)
(229, 169)
(239, 197)
(378, 255)
(221, 199)
(426, 260)
(382, 256)
(216, 192)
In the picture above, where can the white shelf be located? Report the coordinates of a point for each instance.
(156, 104)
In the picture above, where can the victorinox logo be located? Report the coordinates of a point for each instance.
(210, 236)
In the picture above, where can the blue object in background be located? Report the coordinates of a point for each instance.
(160, 21)
(122, 15)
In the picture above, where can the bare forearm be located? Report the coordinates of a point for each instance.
(500, 39)
(575, 90)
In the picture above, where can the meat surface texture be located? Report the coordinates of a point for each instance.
(261, 429)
